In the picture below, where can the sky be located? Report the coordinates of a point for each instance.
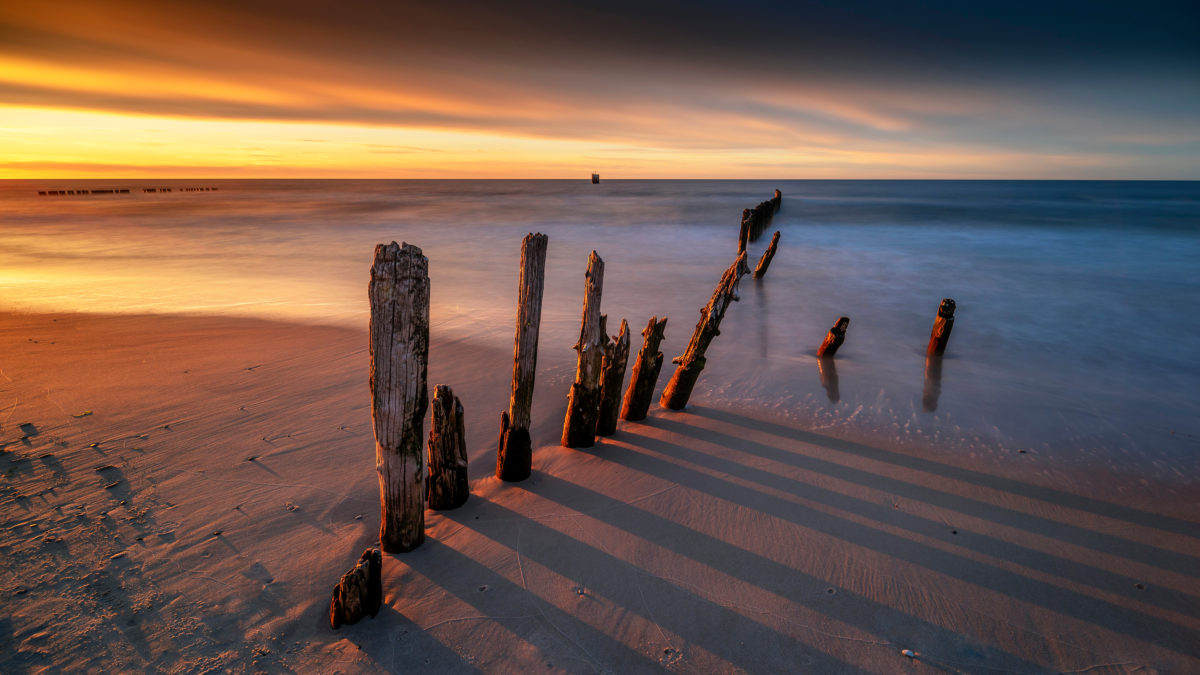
(650, 89)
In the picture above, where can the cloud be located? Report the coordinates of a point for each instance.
(692, 80)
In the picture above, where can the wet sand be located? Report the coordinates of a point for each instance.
(181, 493)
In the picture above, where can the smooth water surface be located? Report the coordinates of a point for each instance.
(1076, 331)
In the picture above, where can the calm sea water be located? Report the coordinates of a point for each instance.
(1077, 330)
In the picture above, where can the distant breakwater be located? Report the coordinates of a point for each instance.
(119, 191)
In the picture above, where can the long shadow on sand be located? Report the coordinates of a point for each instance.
(1103, 508)
(1133, 623)
(1098, 541)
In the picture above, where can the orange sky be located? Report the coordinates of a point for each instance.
(120, 89)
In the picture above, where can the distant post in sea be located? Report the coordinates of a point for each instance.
(514, 454)
(679, 389)
(834, 339)
(399, 345)
(942, 325)
(583, 403)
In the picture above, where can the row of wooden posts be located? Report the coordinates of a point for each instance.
(399, 348)
(399, 341)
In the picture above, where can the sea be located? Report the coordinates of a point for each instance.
(1076, 337)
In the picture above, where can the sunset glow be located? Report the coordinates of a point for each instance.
(124, 88)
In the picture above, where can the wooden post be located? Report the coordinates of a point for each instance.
(645, 372)
(941, 328)
(744, 234)
(514, 453)
(679, 389)
(583, 403)
(765, 261)
(448, 487)
(616, 357)
(359, 592)
(399, 342)
(834, 339)
(827, 370)
(777, 201)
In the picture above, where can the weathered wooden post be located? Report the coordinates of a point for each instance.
(448, 487)
(942, 326)
(679, 389)
(399, 341)
(616, 357)
(827, 370)
(744, 233)
(777, 201)
(834, 339)
(359, 592)
(765, 261)
(645, 372)
(583, 403)
(514, 454)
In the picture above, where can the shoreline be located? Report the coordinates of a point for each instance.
(698, 541)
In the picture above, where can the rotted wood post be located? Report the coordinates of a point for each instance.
(645, 372)
(744, 233)
(777, 201)
(399, 342)
(834, 339)
(447, 486)
(679, 389)
(583, 403)
(765, 261)
(942, 326)
(514, 453)
(359, 592)
(616, 357)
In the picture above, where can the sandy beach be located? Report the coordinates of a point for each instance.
(181, 493)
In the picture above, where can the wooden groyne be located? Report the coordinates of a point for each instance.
(119, 191)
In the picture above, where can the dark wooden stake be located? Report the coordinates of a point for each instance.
(448, 487)
(942, 326)
(679, 389)
(744, 232)
(765, 261)
(616, 357)
(645, 372)
(834, 339)
(399, 341)
(514, 453)
(827, 369)
(583, 403)
(359, 592)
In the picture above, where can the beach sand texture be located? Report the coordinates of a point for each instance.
(181, 494)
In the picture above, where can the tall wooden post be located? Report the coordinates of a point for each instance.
(514, 454)
(583, 403)
(691, 362)
(942, 326)
(834, 339)
(645, 372)
(399, 342)
(744, 233)
(448, 487)
(616, 357)
(765, 261)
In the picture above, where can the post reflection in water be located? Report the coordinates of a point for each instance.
(827, 370)
(933, 382)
